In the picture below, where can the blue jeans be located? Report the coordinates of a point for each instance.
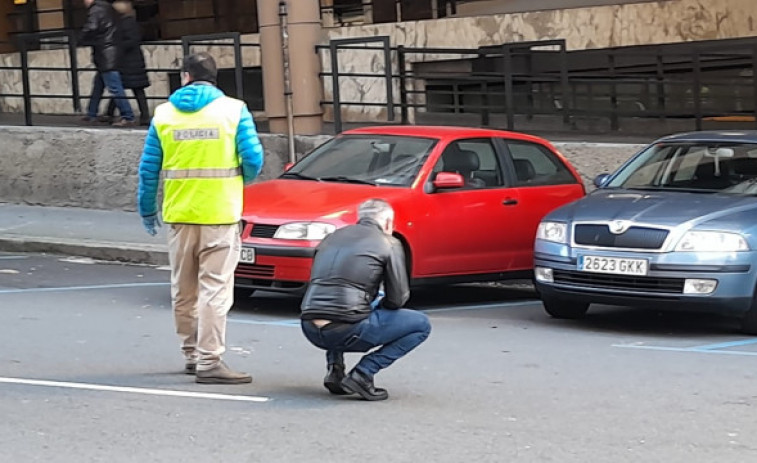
(112, 81)
(397, 332)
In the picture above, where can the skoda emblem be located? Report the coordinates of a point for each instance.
(619, 226)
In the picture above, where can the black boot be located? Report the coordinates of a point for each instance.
(362, 385)
(333, 380)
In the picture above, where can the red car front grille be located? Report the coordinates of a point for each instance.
(255, 271)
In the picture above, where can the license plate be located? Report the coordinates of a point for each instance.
(615, 265)
(247, 256)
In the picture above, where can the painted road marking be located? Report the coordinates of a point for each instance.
(13, 257)
(705, 349)
(81, 288)
(134, 390)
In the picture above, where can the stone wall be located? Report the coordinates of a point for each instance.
(667, 21)
(97, 168)
(93, 168)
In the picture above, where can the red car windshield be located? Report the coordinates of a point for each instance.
(370, 159)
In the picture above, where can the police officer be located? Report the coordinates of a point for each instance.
(207, 147)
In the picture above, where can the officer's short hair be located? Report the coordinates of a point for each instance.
(201, 67)
(376, 209)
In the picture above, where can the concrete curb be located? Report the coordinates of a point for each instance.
(100, 250)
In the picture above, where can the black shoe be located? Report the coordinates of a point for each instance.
(359, 384)
(334, 378)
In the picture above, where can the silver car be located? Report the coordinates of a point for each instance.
(674, 227)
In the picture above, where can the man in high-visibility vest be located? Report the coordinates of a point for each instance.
(207, 147)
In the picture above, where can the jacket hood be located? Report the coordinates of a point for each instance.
(193, 97)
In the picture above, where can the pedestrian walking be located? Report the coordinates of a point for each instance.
(340, 311)
(99, 31)
(207, 147)
(131, 61)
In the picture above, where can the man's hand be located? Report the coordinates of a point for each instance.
(151, 224)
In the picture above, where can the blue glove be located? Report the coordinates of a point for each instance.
(151, 224)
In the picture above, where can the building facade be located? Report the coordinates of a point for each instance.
(422, 25)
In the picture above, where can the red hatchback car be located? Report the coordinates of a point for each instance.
(467, 203)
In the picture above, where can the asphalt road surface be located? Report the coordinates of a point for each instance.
(90, 371)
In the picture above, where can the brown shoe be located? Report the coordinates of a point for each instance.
(124, 123)
(221, 374)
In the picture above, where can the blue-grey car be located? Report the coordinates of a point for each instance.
(674, 227)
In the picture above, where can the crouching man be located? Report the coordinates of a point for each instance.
(350, 266)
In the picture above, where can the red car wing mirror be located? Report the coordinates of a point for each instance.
(288, 166)
(446, 180)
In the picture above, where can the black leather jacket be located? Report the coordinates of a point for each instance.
(99, 31)
(349, 267)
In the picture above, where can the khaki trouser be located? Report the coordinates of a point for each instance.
(203, 259)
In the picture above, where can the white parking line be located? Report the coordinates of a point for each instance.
(80, 288)
(134, 390)
(694, 350)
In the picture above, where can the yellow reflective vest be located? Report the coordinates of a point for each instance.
(203, 178)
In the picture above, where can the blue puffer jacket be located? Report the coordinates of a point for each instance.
(193, 98)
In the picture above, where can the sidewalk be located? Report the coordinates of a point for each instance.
(102, 235)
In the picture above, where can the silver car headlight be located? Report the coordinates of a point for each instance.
(556, 232)
(710, 241)
(304, 231)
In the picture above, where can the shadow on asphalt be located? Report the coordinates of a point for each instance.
(273, 304)
(629, 320)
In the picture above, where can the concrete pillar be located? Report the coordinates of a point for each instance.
(304, 34)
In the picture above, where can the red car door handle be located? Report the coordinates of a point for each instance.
(510, 202)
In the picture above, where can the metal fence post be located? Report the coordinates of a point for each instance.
(565, 85)
(74, 71)
(614, 122)
(754, 82)
(25, 81)
(508, 77)
(334, 49)
(484, 88)
(238, 65)
(389, 79)
(697, 90)
(660, 84)
(404, 114)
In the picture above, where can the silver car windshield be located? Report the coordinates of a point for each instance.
(370, 159)
(728, 168)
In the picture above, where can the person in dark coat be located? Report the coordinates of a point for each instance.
(131, 61)
(99, 32)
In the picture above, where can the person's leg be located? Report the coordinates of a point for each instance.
(112, 80)
(182, 253)
(397, 332)
(111, 108)
(144, 110)
(218, 258)
(94, 99)
(332, 339)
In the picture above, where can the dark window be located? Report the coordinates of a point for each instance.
(475, 160)
(536, 165)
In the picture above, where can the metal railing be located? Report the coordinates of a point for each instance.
(512, 83)
(73, 70)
